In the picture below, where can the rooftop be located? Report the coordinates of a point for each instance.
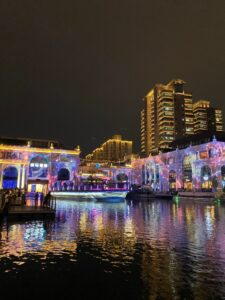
(37, 143)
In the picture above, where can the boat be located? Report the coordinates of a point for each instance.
(98, 196)
(78, 196)
(111, 197)
(147, 194)
(166, 195)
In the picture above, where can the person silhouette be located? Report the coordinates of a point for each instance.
(36, 198)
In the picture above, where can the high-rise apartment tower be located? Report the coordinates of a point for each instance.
(167, 114)
(207, 118)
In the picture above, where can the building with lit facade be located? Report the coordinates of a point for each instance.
(114, 149)
(207, 118)
(196, 164)
(98, 175)
(36, 165)
(167, 114)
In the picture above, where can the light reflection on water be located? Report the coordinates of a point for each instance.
(163, 250)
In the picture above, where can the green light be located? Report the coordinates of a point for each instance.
(176, 199)
(218, 201)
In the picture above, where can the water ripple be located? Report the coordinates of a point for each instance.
(163, 250)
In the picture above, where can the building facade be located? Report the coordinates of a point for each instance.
(207, 118)
(167, 114)
(199, 167)
(36, 165)
(114, 149)
(107, 175)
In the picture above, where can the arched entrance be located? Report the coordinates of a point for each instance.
(38, 172)
(206, 178)
(187, 173)
(10, 176)
(38, 167)
(122, 179)
(172, 180)
(63, 175)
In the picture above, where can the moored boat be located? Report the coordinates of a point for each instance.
(146, 194)
(111, 197)
(99, 196)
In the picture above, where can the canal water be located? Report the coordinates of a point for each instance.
(142, 250)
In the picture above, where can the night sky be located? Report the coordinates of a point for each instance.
(76, 71)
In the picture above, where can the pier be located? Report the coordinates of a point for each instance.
(30, 210)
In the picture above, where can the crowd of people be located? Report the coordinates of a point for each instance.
(11, 195)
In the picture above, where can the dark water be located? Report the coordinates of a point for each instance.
(146, 250)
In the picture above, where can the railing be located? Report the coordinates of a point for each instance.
(93, 187)
(52, 203)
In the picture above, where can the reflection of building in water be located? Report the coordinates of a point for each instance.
(182, 245)
(198, 163)
(20, 239)
(36, 164)
(110, 229)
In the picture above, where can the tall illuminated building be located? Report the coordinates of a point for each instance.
(207, 118)
(167, 114)
(114, 149)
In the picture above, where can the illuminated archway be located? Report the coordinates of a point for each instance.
(38, 167)
(206, 178)
(10, 176)
(122, 179)
(187, 173)
(172, 180)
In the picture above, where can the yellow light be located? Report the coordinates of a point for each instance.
(38, 150)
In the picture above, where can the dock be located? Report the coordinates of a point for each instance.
(28, 211)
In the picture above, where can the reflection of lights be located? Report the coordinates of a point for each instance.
(129, 228)
(36, 234)
(83, 221)
(209, 218)
(177, 199)
(98, 223)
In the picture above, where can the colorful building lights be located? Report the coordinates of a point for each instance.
(195, 168)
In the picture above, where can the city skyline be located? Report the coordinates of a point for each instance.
(170, 113)
(75, 75)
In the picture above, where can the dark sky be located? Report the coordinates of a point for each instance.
(76, 71)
